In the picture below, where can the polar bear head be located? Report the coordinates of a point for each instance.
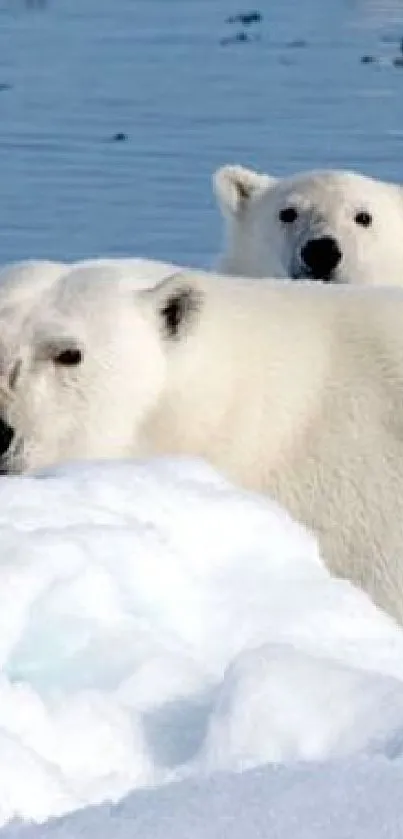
(328, 225)
(22, 283)
(83, 369)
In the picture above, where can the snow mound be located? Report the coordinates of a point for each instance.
(158, 624)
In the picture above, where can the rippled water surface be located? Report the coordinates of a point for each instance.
(170, 76)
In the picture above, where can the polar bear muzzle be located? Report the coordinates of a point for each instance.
(321, 257)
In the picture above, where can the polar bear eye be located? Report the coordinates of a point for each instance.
(363, 218)
(288, 215)
(68, 358)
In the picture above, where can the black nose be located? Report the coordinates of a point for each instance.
(321, 256)
(6, 437)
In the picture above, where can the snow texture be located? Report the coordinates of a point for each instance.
(159, 625)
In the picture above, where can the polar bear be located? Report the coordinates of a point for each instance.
(293, 389)
(334, 226)
(21, 282)
(21, 286)
(27, 279)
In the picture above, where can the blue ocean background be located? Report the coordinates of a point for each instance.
(115, 113)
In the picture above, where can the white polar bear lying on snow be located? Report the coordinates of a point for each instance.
(290, 388)
(329, 225)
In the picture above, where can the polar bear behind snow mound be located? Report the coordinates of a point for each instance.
(294, 389)
(330, 225)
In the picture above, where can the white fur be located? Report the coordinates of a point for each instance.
(137, 272)
(258, 244)
(294, 389)
(23, 283)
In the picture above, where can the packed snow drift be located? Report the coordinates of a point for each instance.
(158, 624)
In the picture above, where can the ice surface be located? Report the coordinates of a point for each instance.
(158, 624)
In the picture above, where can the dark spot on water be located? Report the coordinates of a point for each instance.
(5, 86)
(297, 43)
(398, 61)
(119, 137)
(367, 59)
(246, 18)
(238, 38)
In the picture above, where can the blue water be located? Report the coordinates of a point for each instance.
(73, 73)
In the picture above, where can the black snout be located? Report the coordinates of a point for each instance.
(321, 256)
(6, 437)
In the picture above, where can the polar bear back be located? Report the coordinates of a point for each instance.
(297, 390)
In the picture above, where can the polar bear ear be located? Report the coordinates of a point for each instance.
(176, 302)
(236, 186)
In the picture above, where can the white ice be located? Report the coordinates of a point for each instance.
(158, 624)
